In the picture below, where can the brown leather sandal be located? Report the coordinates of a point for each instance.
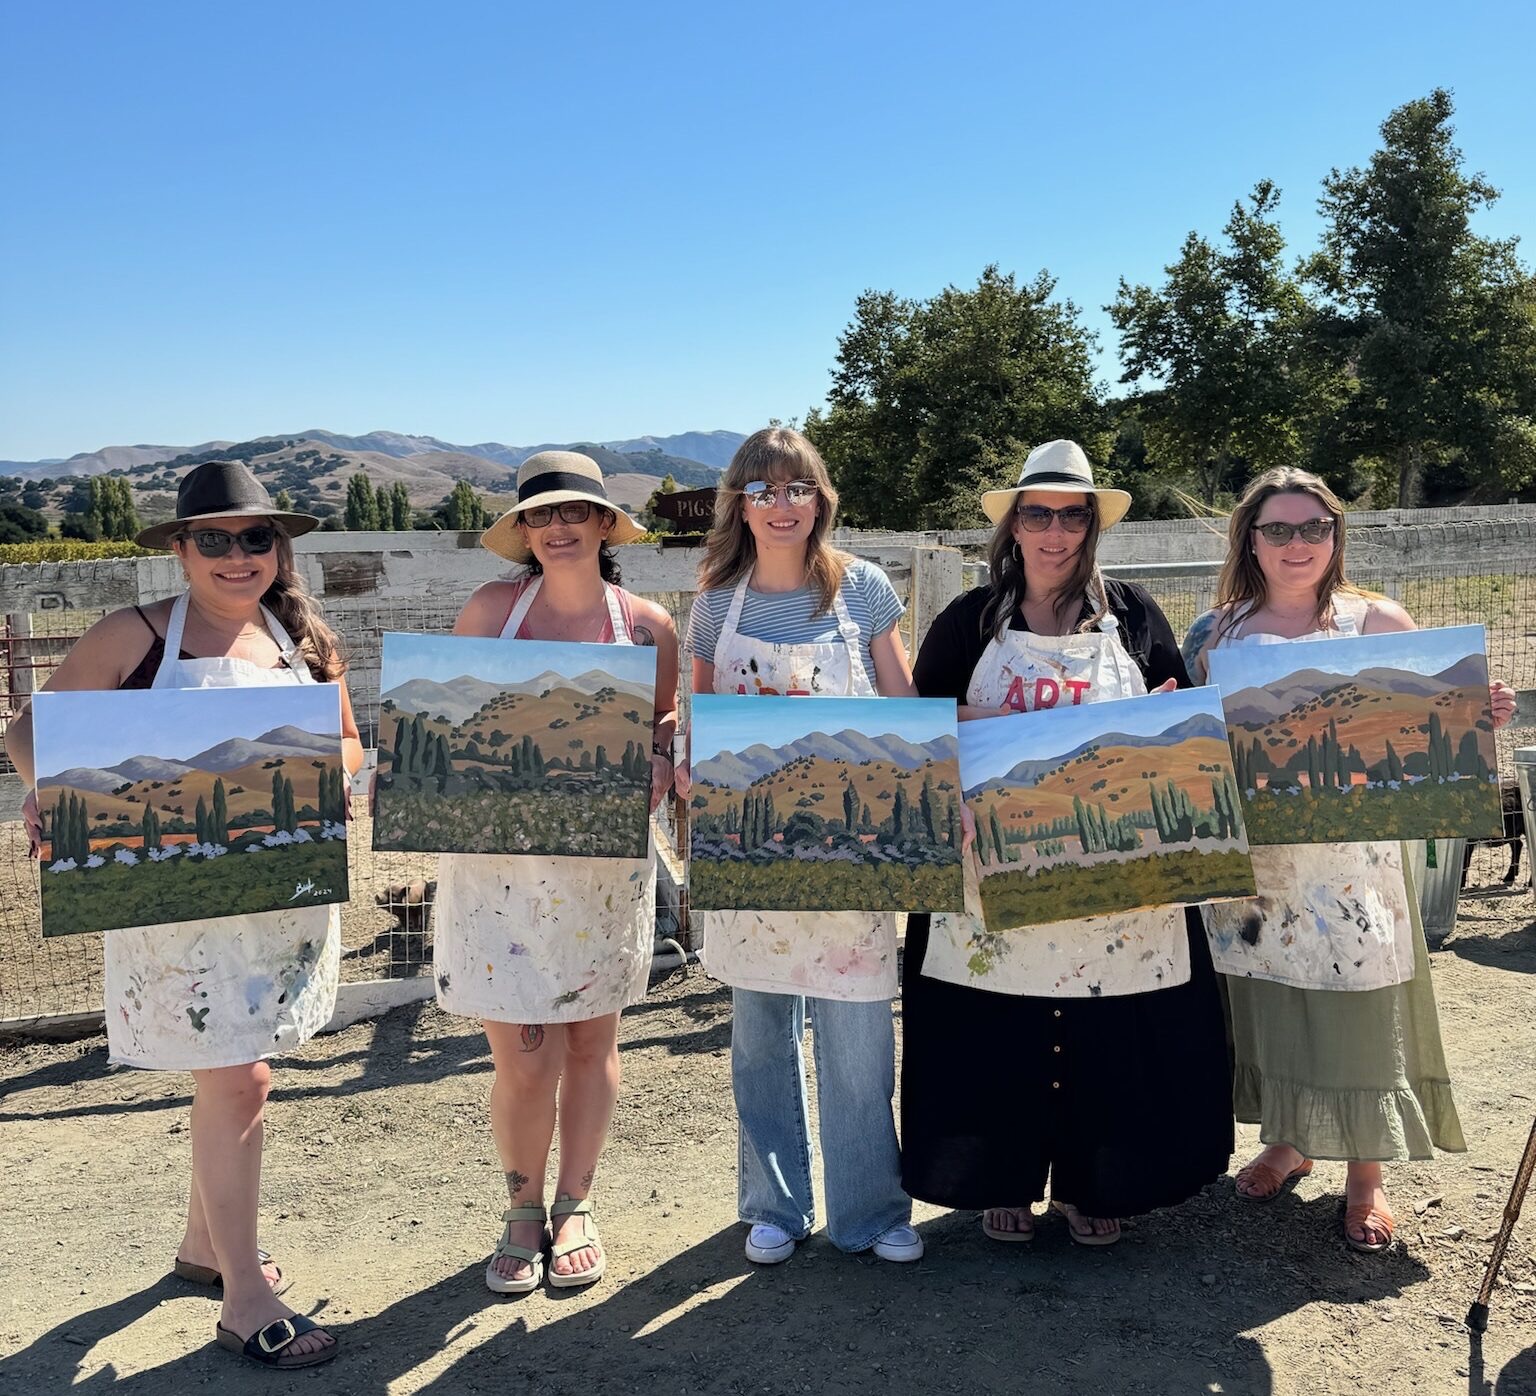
(1271, 1182)
(1369, 1219)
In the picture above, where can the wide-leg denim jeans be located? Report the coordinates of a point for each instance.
(855, 1053)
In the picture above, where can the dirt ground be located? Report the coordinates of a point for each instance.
(382, 1191)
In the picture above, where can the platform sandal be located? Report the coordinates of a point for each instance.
(500, 1284)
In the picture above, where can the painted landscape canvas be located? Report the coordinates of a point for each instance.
(825, 804)
(182, 804)
(521, 747)
(1365, 737)
(1107, 807)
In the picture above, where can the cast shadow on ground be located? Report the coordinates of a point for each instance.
(1513, 951)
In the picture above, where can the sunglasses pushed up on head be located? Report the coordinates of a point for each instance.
(217, 542)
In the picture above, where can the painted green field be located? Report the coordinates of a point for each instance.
(189, 889)
(1461, 809)
(789, 886)
(1068, 892)
(572, 821)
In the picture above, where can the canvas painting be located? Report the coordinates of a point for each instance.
(180, 804)
(852, 804)
(1105, 807)
(1363, 738)
(522, 747)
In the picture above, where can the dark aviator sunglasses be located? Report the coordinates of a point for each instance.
(217, 542)
(1036, 518)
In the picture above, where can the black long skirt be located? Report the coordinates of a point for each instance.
(1125, 1102)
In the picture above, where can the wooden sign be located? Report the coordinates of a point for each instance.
(690, 510)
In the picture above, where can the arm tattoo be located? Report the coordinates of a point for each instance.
(1195, 642)
(643, 636)
(532, 1037)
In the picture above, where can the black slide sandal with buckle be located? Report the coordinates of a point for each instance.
(269, 1346)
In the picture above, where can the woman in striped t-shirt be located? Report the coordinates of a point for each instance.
(780, 611)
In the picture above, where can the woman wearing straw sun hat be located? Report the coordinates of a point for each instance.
(217, 997)
(1103, 1041)
(547, 951)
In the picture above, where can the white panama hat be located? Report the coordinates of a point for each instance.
(1058, 466)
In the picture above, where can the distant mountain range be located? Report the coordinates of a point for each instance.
(1026, 773)
(1264, 705)
(460, 699)
(281, 743)
(708, 448)
(738, 769)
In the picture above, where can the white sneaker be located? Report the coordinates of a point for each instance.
(770, 1245)
(900, 1243)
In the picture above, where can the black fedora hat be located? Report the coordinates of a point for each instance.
(222, 489)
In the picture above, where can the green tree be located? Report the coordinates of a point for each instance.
(284, 502)
(463, 509)
(362, 508)
(112, 511)
(218, 823)
(400, 517)
(649, 517)
(18, 524)
(1435, 324)
(383, 508)
(933, 401)
(1221, 346)
(202, 820)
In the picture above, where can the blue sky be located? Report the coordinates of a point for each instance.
(1420, 651)
(725, 722)
(993, 745)
(528, 223)
(444, 657)
(103, 728)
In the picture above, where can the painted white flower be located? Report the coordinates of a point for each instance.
(127, 857)
(95, 861)
(301, 836)
(63, 865)
(254, 847)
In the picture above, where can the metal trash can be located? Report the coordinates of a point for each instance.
(1438, 886)
(1525, 773)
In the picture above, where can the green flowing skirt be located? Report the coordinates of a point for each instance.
(1345, 1075)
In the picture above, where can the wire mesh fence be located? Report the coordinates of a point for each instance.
(386, 926)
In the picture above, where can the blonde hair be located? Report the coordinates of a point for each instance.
(1241, 588)
(776, 455)
(1005, 568)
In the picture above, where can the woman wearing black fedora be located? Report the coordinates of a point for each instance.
(546, 952)
(264, 983)
(1103, 1041)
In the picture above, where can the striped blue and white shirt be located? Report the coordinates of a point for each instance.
(784, 618)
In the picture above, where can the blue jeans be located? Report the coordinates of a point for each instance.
(855, 1048)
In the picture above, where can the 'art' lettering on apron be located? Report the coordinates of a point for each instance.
(544, 940)
(849, 955)
(1328, 916)
(203, 994)
(1129, 953)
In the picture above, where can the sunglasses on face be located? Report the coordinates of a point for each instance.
(216, 542)
(1277, 535)
(572, 511)
(796, 493)
(1036, 518)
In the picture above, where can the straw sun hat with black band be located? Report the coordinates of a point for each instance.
(553, 477)
(1058, 466)
(222, 489)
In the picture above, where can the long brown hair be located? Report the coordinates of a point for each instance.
(1241, 588)
(777, 455)
(1005, 566)
(298, 613)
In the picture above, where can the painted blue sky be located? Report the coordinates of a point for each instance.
(991, 746)
(1420, 651)
(102, 728)
(444, 657)
(725, 722)
(534, 223)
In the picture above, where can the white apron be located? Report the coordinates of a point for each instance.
(847, 955)
(195, 995)
(1328, 916)
(1125, 953)
(544, 940)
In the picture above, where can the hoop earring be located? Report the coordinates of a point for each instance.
(1018, 553)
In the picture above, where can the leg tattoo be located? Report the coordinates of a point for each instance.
(532, 1037)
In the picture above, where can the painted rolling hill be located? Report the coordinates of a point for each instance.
(1309, 687)
(742, 768)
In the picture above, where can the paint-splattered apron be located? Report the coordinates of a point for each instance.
(1328, 916)
(544, 940)
(847, 955)
(1128, 953)
(195, 995)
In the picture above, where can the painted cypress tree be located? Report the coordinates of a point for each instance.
(600, 761)
(867, 820)
(952, 825)
(898, 814)
(850, 805)
(770, 819)
(201, 820)
(539, 767)
(1394, 764)
(929, 812)
(997, 835)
